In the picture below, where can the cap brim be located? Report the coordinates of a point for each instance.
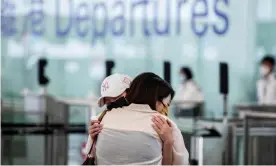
(101, 102)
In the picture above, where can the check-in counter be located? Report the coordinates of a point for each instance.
(201, 151)
(50, 130)
(191, 124)
(188, 108)
(247, 139)
(254, 140)
(256, 110)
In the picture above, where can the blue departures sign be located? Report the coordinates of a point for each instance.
(117, 25)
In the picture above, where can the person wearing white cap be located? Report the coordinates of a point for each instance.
(172, 154)
(113, 87)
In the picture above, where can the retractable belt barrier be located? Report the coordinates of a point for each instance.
(41, 129)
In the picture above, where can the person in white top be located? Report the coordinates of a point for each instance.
(174, 150)
(188, 92)
(266, 86)
(112, 88)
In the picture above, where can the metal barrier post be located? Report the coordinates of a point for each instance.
(246, 140)
(66, 137)
(46, 141)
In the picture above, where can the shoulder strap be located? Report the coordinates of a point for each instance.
(95, 140)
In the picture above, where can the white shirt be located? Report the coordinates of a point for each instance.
(136, 142)
(188, 92)
(266, 90)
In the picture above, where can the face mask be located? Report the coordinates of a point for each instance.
(165, 110)
(121, 102)
(182, 78)
(264, 70)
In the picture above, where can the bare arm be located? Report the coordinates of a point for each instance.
(167, 153)
(164, 129)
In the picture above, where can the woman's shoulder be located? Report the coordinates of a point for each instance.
(139, 108)
(191, 83)
(167, 118)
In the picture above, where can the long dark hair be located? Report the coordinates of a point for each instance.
(148, 88)
(188, 72)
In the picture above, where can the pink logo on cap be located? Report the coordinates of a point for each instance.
(126, 81)
(105, 86)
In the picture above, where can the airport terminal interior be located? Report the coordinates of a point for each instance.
(55, 55)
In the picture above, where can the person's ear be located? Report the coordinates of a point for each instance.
(158, 105)
(159, 102)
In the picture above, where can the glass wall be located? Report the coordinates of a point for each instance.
(77, 36)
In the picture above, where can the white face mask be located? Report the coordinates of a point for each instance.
(182, 78)
(264, 70)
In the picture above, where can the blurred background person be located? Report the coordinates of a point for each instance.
(266, 86)
(188, 94)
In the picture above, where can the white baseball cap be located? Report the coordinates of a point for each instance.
(113, 86)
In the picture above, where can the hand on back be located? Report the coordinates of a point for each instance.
(163, 127)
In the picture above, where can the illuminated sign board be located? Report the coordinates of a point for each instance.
(83, 19)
